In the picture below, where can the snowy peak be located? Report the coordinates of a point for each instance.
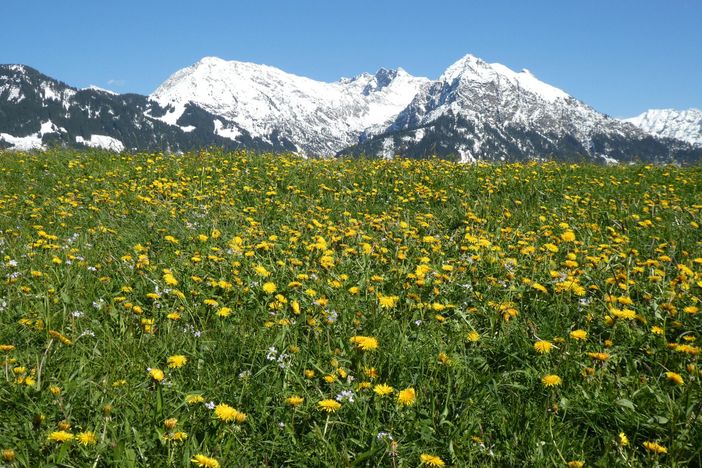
(318, 117)
(683, 125)
(472, 69)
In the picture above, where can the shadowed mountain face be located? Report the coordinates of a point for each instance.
(474, 111)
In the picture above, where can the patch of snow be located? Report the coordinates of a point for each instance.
(607, 160)
(388, 151)
(188, 128)
(101, 90)
(26, 143)
(50, 127)
(101, 141)
(221, 130)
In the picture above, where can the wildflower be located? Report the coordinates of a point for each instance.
(194, 399)
(473, 336)
(294, 400)
(269, 288)
(365, 343)
(568, 236)
(687, 349)
(345, 395)
(8, 455)
(655, 447)
(543, 347)
(226, 413)
(179, 436)
(177, 361)
(624, 314)
(55, 391)
(329, 405)
(623, 439)
(170, 423)
(578, 335)
(157, 374)
(431, 460)
(60, 436)
(169, 279)
(551, 380)
(6, 348)
(204, 461)
(86, 438)
(576, 464)
(599, 356)
(407, 396)
(675, 378)
(383, 389)
(388, 302)
(224, 312)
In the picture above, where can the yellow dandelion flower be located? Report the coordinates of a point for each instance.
(60, 436)
(431, 460)
(328, 405)
(623, 439)
(226, 413)
(383, 389)
(599, 356)
(269, 287)
(365, 343)
(543, 347)
(551, 380)
(294, 400)
(576, 464)
(205, 461)
(194, 399)
(177, 361)
(86, 438)
(388, 302)
(8, 455)
(655, 447)
(675, 378)
(157, 374)
(568, 236)
(407, 396)
(169, 279)
(578, 335)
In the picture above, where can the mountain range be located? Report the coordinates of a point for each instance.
(474, 111)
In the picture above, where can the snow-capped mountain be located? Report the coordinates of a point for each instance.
(473, 111)
(478, 110)
(319, 118)
(683, 125)
(37, 111)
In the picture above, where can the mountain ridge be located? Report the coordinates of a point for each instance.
(474, 111)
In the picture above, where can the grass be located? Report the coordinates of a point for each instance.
(110, 264)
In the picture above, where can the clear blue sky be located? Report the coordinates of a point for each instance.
(620, 56)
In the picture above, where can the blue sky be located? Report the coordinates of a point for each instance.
(620, 56)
